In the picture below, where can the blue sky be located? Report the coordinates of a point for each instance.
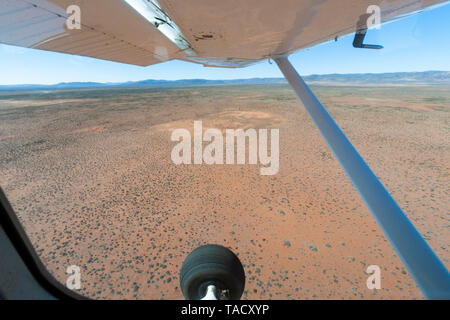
(417, 43)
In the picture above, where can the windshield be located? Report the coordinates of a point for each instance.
(124, 179)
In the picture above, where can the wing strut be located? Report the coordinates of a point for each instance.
(425, 267)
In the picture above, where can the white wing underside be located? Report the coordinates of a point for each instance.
(222, 33)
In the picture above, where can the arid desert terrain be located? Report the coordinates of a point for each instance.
(89, 173)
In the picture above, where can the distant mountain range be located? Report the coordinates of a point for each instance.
(397, 78)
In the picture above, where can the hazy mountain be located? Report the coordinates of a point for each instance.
(398, 78)
(424, 78)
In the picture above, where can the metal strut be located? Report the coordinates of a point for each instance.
(422, 263)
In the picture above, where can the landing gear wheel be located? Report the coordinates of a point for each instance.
(212, 265)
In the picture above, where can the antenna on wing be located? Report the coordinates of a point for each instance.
(361, 31)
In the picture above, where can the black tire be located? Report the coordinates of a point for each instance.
(212, 264)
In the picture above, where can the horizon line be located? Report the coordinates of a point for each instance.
(235, 79)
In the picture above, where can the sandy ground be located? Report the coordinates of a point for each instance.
(90, 176)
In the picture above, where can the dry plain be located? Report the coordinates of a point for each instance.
(89, 174)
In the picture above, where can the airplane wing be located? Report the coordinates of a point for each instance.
(232, 33)
(110, 30)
